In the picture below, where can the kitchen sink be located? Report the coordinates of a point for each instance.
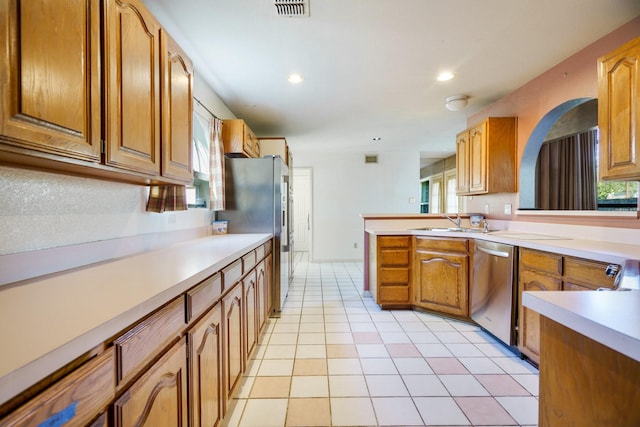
(453, 229)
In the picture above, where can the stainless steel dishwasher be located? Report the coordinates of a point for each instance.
(493, 297)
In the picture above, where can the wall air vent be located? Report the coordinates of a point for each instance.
(371, 158)
(292, 8)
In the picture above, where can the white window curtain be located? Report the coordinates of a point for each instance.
(216, 165)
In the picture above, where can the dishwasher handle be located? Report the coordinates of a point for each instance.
(500, 254)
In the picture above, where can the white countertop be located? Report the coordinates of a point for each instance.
(609, 317)
(47, 322)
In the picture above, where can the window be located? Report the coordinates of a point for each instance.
(198, 194)
(450, 196)
(424, 196)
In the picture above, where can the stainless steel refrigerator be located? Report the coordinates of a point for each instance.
(257, 201)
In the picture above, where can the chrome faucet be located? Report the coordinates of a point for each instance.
(457, 221)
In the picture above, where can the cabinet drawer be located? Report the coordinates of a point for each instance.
(393, 241)
(145, 340)
(231, 274)
(393, 276)
(203, 296)
(590, 274)
(394, 294)
(542, 261)
(394, 257)
(440, 244)
(260, 251)
(74, 400)
(248, 261)
(267, 247)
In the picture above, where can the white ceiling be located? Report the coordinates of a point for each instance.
(370, 66)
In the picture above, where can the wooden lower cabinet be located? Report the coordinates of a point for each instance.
(441, 275)
(205, 368)
(267, 286)
(529, 320)
(74, 400)
(393, 272)
(159, 397)
(179, 365)
(546, 271)
(250, 319)
(585, 383)
(233, 338)
(261, 302)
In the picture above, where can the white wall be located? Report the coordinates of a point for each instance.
(344, 187)
(41, 210)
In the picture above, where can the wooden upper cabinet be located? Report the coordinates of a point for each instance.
(276, 147)
(239, 139)
(478, 182)
(132, 89)
(51, 78)
(619, 112)
(462, 162)
(486, 157)
(177, 111)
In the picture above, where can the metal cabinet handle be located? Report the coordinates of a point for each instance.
(501, 254)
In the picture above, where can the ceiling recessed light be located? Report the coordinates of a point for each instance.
(445, 76)
(295, 78)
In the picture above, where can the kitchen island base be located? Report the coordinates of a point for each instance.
(585, 383)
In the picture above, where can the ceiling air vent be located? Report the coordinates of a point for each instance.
(292, 8)
(371, 158)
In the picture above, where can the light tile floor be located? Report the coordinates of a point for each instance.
(334, 358)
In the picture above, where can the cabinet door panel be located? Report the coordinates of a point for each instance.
(462, 162)
(618, 112)
(233, 362)
(268, 284)
(478, 159)
(159, 397)
(177, 107)
(442, 283)
(529, 320)
(51, 74)
(205, 350)
(133, 87)
(250, 319)
(261, 295)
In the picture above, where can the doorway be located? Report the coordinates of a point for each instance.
(302, 210)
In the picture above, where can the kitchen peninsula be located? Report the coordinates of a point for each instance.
(587, 343)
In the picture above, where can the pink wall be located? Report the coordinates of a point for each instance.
(575, 77)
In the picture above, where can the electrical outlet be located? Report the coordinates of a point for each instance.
(507, 209)
(486, 209)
